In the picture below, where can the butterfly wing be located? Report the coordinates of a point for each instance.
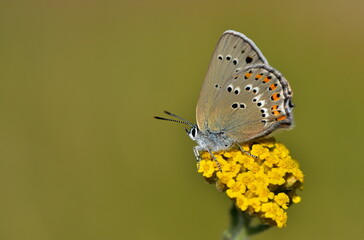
(245, 99)
(259, 102)
(233, 53)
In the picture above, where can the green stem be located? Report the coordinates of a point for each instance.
(239, 225)
(241, 228)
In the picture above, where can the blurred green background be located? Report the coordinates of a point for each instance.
(82, 158)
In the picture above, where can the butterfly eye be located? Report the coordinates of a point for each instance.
(193, 132)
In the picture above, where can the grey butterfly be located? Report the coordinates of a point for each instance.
(242, 97)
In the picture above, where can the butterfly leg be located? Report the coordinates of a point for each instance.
(213, 157)
(246, 152)
(197, 150)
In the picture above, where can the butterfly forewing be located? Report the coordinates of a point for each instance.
(234, 52)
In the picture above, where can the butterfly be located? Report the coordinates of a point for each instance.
(242, 98)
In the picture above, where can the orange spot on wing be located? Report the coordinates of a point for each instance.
(272, 86)
(266, 79)
(276, 112)
(247, 75)
(275, 97)
(281, 118)
(259, 76)
(274, 107)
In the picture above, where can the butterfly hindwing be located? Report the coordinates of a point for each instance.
(255, 102)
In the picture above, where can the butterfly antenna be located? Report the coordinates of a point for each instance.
(172, 120)
(181, 118)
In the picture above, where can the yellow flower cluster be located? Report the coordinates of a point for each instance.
(263, 186)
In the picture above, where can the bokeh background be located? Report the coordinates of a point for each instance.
(82, 158)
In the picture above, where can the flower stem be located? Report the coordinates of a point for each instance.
(239, 225)
(241, 228)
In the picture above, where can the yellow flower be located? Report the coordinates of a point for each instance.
(264, 186)
(219, 162)
(264, 194)
(262, 178)
(287, 164)
(260, 151)
(270, 210)
(245, 160)
(298, 174)
(276, 176)
(246, 177)
(235, 188)
(225, 177)
(296, 199)
(228, 154)
(267, 142)
(242, 202)
(271, 160)
(255, 204)
(281, 150)
(207, 168)
(281, 218)
(206, 156)
(282, 199)
(231, 167)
